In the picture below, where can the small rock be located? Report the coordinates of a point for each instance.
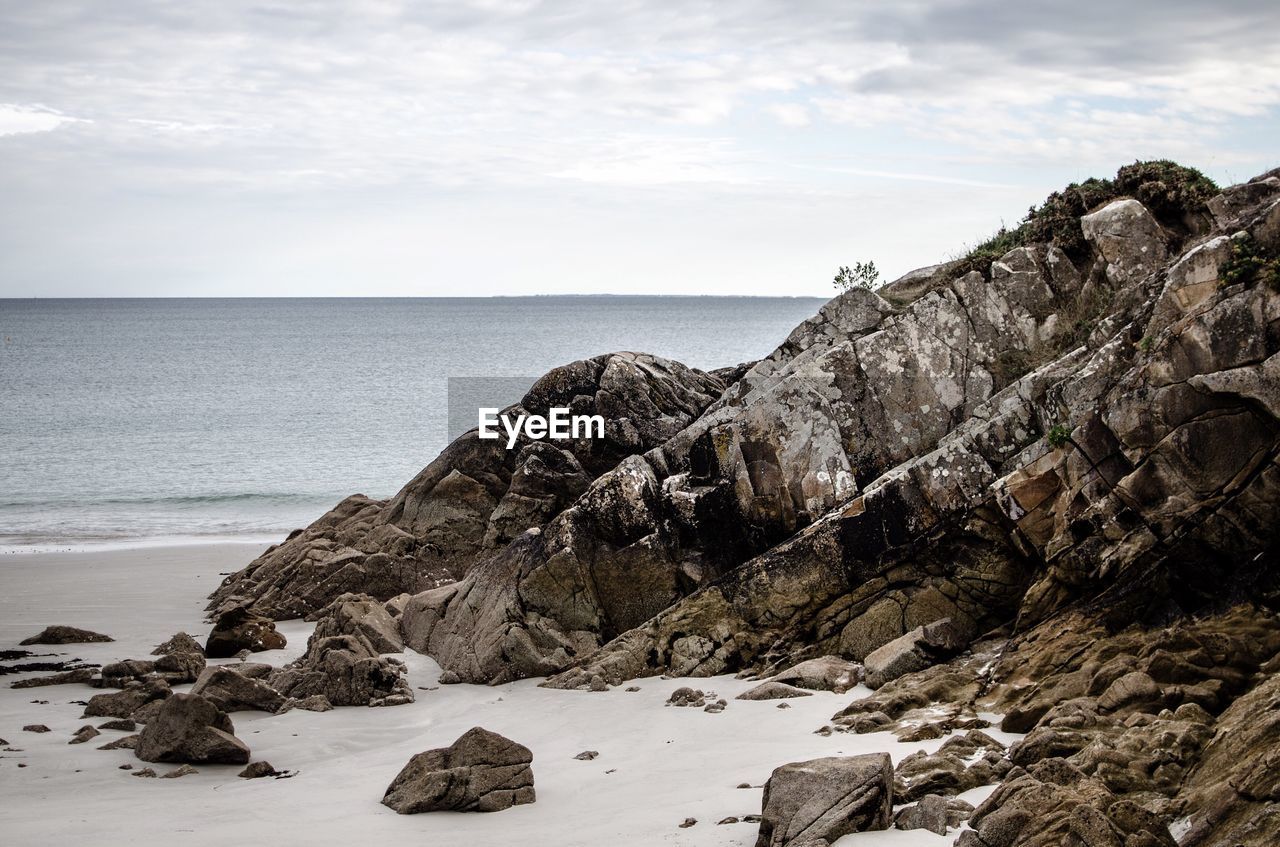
(83, 734)
(66, 635)
(449, 678)
(597, 684)
(587, 755)
(128, 742)
(126, 767)
(686, 696)
(744, 785)
(632, 688)
(688, 822)
(784, 705)
(724, 821)
(179, 772)
(717, 707)
(124, 724)
(35, 727)
(145, 772)
(257, 770)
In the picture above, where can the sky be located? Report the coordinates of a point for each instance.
(503, 147)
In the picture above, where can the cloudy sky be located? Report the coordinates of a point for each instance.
(514, 146)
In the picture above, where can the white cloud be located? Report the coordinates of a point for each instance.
(498, 104)
(16, 119)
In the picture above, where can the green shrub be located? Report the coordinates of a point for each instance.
(861, 275)
(1250, 263)
(1058, 435)
(1171, 191)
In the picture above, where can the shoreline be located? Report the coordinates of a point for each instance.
(657, 766)
(144, 542)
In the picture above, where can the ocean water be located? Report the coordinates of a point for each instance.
(134, 421)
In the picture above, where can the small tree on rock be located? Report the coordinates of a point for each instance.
(861, 275)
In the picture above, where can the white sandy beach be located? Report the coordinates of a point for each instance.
(657, 765)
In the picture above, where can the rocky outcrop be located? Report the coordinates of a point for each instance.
(1138, 470)
(59, 634)
(480, 772)
(188, 728)
(818, 801)
(478, 495)
(1042, 484)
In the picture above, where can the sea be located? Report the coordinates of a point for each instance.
(143, 421)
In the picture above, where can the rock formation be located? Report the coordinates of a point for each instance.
(1040, 481)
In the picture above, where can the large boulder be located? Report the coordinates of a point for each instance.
(240, 629)
(480, 772)
(189, 728)
(816, 802)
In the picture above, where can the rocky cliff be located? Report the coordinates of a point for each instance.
(1056, 462)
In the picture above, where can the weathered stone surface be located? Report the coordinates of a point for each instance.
(917, 650)
(362, 615)
(342, 665)
(480, 772)
(772, 690)
(83, 734)
(826, 673)
(189, 728)
(180, 666)
(58, 634)
(230, 691)
(818, 801)
(126, 703)
(1128, 238)
(181, 642)
(64, 678)
(240, 629)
